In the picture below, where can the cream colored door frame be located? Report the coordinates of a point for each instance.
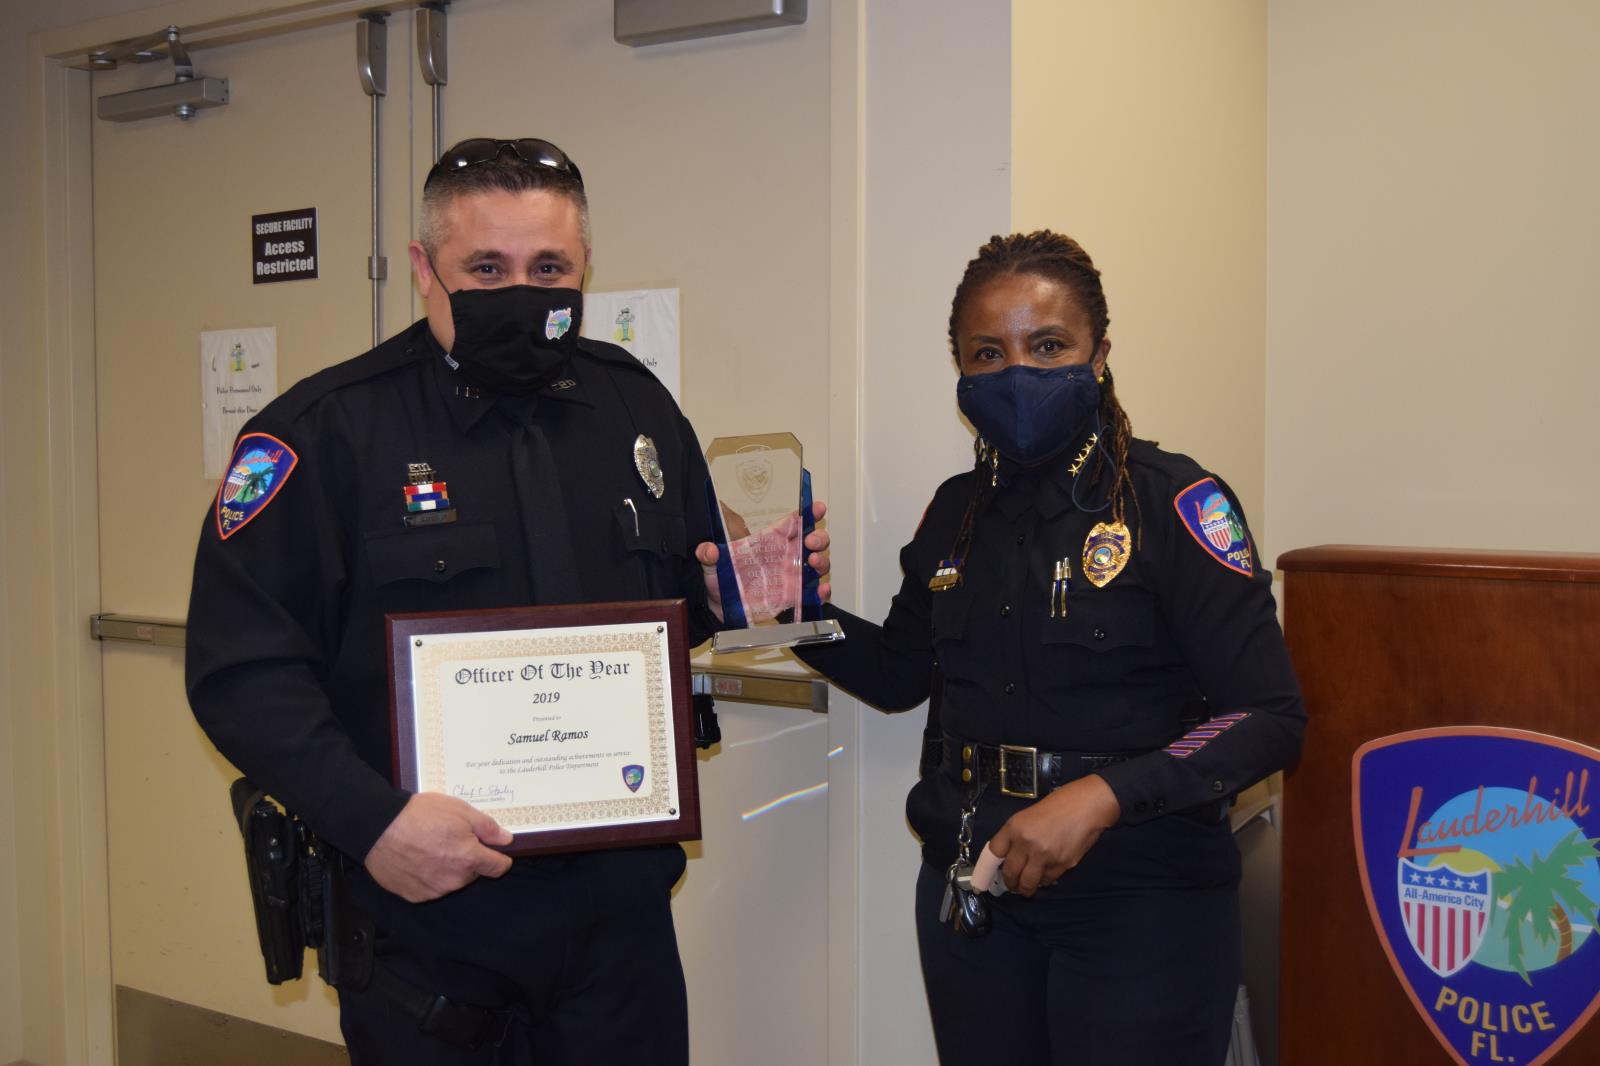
(65, 928)
(846, 259)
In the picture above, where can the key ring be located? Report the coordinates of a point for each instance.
(964, 835)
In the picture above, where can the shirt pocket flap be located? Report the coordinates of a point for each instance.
(950, 610)
(653, 529)
(1104, 624)
(433, 553)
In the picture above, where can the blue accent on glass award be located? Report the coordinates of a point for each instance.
(761, 513)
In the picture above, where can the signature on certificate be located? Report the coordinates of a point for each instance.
(484, 793)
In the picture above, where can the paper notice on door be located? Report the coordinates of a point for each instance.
(238, 377)
(645, 322)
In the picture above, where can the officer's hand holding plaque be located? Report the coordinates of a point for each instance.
(762, 503)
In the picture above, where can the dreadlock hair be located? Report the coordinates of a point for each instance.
(1044, 253)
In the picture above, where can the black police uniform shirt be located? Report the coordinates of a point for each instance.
(1131, 667)
(287, 660)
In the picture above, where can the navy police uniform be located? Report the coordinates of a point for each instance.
(287, 671)
(1171, 680)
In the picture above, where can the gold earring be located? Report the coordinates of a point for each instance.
(1101, 380)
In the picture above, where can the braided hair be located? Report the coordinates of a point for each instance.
(1044, 253)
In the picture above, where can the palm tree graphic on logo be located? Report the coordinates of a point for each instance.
(1543, 894)
(255, 484)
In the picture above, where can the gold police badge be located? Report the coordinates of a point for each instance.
(1105, 553)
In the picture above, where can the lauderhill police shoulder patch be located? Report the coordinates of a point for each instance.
(1477, 848)
(261, 465)
(1210, 519)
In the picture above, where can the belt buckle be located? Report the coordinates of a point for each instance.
(1032, 790)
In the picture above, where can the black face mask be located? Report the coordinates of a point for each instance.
(514, 339)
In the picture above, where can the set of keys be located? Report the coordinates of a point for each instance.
(966, 884)
(966, 909)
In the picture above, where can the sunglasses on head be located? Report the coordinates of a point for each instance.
(480, 151)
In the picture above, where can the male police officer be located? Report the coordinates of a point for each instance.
(522, 442)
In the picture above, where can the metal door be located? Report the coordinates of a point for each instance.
(706, 171)
(173, 202)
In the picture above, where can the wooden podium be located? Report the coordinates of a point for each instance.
(1387, 640)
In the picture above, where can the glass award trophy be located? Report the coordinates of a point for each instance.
(761, 512)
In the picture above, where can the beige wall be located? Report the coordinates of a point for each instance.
(1140, 130)
(1431, 373)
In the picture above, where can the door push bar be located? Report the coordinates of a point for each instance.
(162, 632)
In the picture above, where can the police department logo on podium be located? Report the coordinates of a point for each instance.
(1479, 850)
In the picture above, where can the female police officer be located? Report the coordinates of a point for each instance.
(1110, 673)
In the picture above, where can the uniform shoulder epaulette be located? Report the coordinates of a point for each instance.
(1173, 466)
(638, 381)
(612, 355)
(949, 500)
(958, 486)
(398, 351)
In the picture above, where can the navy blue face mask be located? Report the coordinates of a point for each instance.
(1030, 414)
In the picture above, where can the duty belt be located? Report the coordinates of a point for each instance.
(1020, 770)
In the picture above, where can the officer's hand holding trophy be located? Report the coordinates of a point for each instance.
(765, 571)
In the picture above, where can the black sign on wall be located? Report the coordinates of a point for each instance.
(283, 245)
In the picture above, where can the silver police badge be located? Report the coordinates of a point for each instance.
(648, 463)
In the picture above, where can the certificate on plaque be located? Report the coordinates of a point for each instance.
(761, 504)
(569, 724)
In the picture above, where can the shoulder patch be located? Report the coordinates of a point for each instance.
(260, 467)
(613, 354)
(1210, 519)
